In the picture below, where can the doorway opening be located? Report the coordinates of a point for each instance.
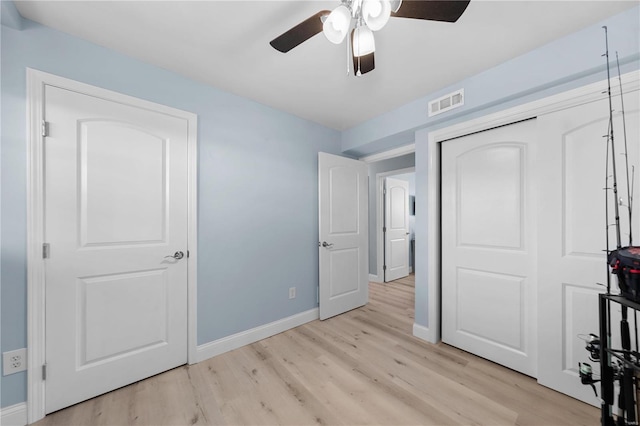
(394, 163)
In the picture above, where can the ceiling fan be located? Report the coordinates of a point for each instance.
(360, 18)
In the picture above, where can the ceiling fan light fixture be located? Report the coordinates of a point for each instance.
(376, 13)
(363, 42)
(395, 5)
(336, 26)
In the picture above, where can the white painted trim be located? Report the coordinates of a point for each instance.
(564, 100)
(392, 153)
(36, 81)
(433, 243)
(14, 415)
(374, 278)
(192, 240)
(380, 215)
(35, 239)
(235, 341)
(423, 333)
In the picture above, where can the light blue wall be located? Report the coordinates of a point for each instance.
(564, 64)
(258, 189)
(390, 164)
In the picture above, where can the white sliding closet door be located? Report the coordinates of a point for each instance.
(572, 232)
(489, 245)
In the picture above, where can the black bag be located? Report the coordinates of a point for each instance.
(625, 263)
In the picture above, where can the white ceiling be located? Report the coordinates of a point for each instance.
(225, 44)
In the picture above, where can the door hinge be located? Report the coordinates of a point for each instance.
(45, 128)
(318, 294)
(187, 254)
(44, 371)
(384, 229)
(45, 250)
(384, 267)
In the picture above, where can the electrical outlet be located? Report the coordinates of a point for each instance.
(14, 361)
(292, 292)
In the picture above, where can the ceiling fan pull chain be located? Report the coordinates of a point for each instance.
(348, 56)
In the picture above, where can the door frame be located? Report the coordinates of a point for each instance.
(36, 82)
(585, 94)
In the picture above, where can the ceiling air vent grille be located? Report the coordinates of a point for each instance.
(446, 103)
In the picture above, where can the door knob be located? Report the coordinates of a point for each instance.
(177, 255)
(326, 245)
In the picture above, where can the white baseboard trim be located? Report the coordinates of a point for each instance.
(422, 332)
(235, 341)
(374, 278)
(14, 415)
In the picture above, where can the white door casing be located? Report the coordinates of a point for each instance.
(572, 238)
(97, 139)
(343, 234)
(489, 245)
(396, 219)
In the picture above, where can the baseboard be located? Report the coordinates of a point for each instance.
(235, 341)
(14, 415)
(374, 278)
(422, 332)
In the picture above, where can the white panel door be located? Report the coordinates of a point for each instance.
(572, 215)
(115, 208)
(344, 233)
(396, 222)
(489, 245)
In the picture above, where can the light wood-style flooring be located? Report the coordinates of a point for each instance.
(362, 367)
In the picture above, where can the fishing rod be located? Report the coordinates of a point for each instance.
(626, 397)
(606, 369)
(625, 264)
(612, 145)
(629, 186)
(626, 153)
(621, 261)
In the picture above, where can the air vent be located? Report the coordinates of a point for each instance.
(446, 103)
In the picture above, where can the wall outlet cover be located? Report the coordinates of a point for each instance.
(14, 361)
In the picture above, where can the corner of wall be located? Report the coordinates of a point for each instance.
(10, 17)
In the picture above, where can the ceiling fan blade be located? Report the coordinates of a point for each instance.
(364, 63)
(300, 33)
(432, 10)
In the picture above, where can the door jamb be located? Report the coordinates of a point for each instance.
(36, 82)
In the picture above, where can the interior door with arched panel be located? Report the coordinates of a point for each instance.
(572, 260)
(489, 245)
(116, 222)
(396, 229)
(343, 234)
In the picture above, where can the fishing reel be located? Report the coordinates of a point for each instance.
(584, 369)
(586, 376)
(592, 346)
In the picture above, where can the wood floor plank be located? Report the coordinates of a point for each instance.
(362, 367)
